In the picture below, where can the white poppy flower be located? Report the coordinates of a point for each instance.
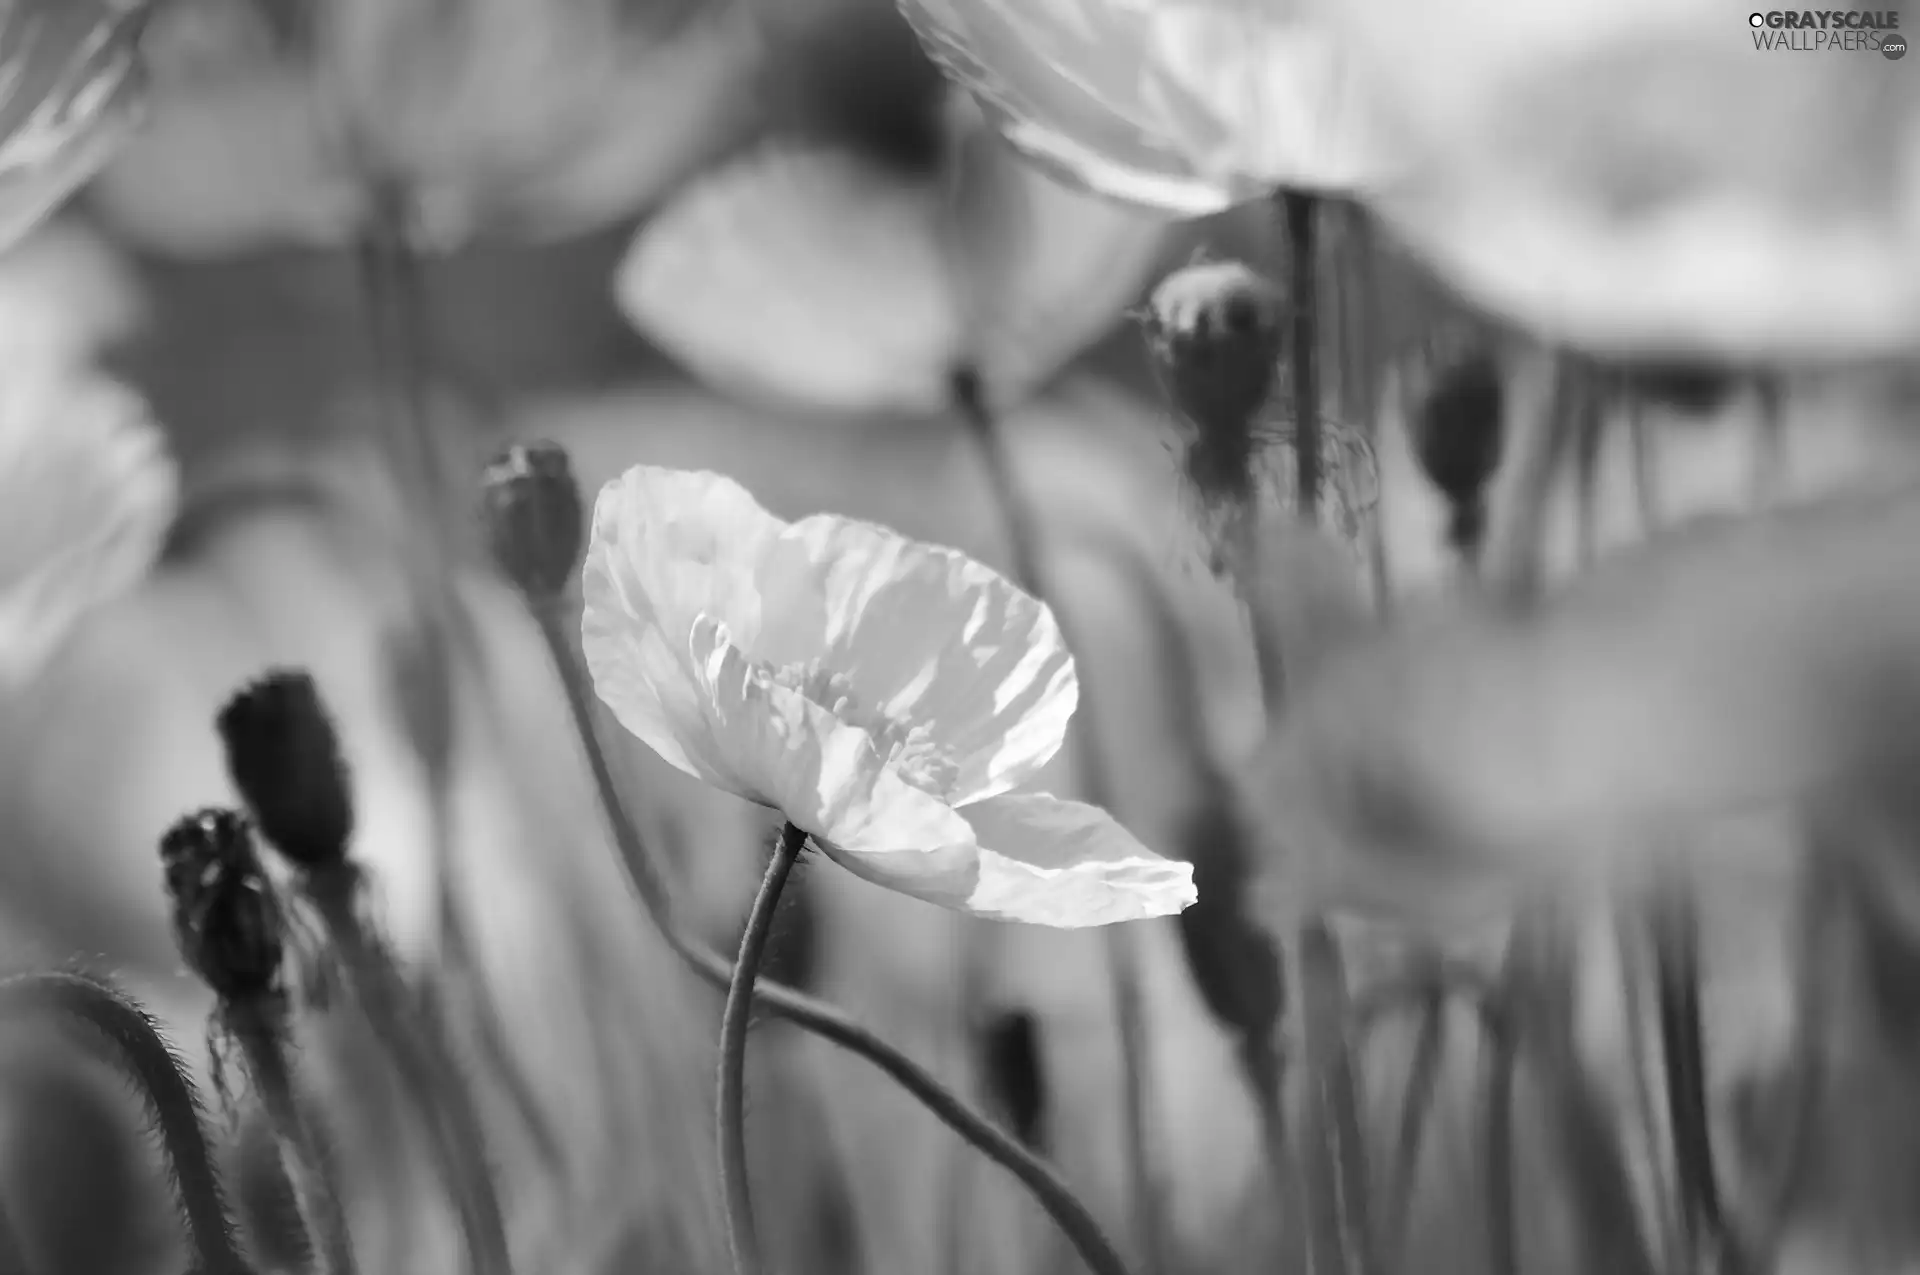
(886, 696)
(88, 490)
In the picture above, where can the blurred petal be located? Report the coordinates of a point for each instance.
(667, 546)
(1066, 864)
(71, 86)
(826, 776)
(810, 277)
(1643, 177)
(1186, 106)
(926, 636)
(87, 492)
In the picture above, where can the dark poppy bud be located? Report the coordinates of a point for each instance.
(227, 920)
(536, 523)
(1214, 330)
(1458, 430)
(284, 757)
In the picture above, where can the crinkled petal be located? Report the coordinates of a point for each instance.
(825, 775)
(1067, 864)
(667, 546)
(928, 637)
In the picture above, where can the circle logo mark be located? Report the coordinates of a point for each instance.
(1893, 48)
(1756, 19)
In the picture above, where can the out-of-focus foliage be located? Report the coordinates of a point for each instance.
(1184, 107)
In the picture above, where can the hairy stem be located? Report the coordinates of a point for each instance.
(158, 1077)
(735, 1191)
(259, 1026)
(1301, 212)
(425, 1063)
(806, 1012)
(1333, 1172)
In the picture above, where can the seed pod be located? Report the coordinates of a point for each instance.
(1458, 430)
(284, 757)
(226, 918)
(536, 523)
(1214, 330)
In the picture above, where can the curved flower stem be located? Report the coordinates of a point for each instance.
(808, 1013)
(1023, 536)
(157, 1075)
(427, 1068)
(736, 1194)
(1301, 212)
(259, 1026)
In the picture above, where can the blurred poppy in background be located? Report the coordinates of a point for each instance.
(1185, 107)
(1646, 178)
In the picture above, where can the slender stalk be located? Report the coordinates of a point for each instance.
(1301, 214)
(735, 1190)
(806, 1012)
(1334, 1167)
(157, 1075)
(1503, 1233)
(1093, 779)
(399, 325)
(1632, 995)
(259, 1026)
(1510, 561)
(427, 1068)
(1416, 1112)
(1677, 962)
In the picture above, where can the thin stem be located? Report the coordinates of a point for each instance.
(1416, 1111)
(1092, 778)
(426, 1066)
(808, 1013)
(1510, 562)
(1503, 1237)
(259, 1026)
(159, 1078)
(1334, 1168)
(1301, 211)
(1682, 1046)
(736, 1194)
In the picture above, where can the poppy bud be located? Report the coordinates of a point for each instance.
(1458, 430)
(536, 523)
(226, 918)
(284, 758)
(1214, 330)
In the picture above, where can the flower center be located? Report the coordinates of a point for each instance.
(907, 749)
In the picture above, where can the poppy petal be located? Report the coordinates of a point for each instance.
(927, 636)
(667, 547)
(1066, 864)
(827, 776)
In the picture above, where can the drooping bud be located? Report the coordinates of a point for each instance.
(536, 523)
(227, 920)
(284, 757)
(1458, 431)
(1214, 330)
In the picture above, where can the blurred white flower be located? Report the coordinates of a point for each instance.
(531, 118)
(71, 86)
(884, 695)
(88, 490)
(1182, 105)
(818, 279)
(1639, 177)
